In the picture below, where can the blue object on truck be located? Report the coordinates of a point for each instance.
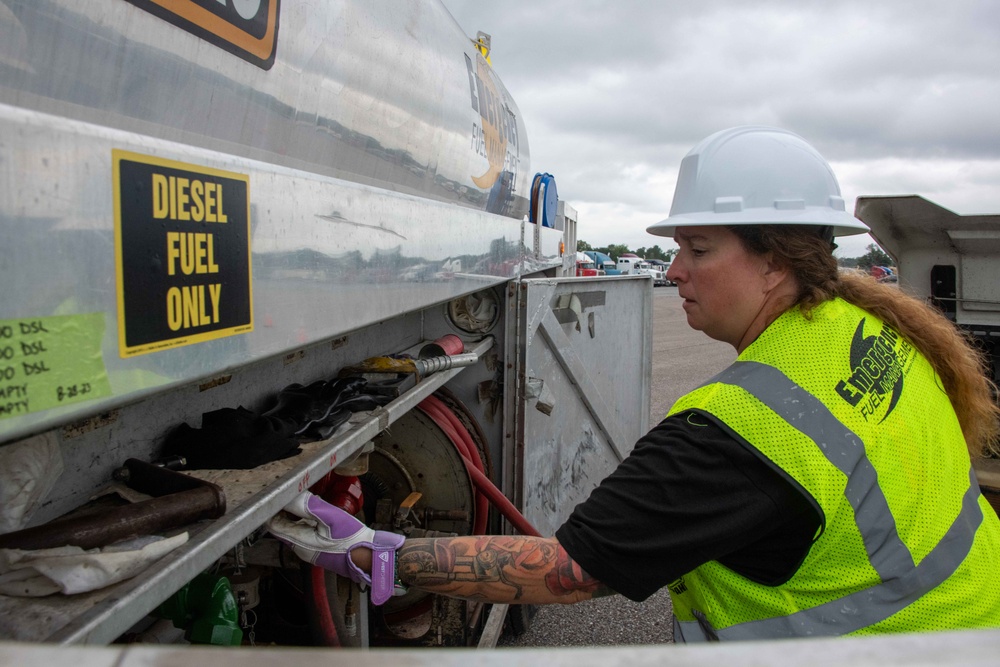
(604, 262)
(544, 200)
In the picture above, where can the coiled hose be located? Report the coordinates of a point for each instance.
(486, 493)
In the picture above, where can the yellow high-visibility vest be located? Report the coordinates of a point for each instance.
(854, 416)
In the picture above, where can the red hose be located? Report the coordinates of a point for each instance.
(324, 629)
(499, 500)
(459, 437)
(321, 607)
(483, 483)
(486, 492)
(444, 418)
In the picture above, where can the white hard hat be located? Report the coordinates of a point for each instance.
(755, 175)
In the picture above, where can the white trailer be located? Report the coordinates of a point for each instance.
(950, 260)
(637, 266)
(953, 262)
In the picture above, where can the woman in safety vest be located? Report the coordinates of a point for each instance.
(821, 485)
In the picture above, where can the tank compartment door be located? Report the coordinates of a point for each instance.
(582, 370)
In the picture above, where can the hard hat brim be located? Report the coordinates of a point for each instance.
(843, 223)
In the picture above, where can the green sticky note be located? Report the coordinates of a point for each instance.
(46, 362)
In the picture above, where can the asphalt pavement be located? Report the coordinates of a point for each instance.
(682, 359)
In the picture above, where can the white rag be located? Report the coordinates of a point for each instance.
(28, 471)
(70, 570)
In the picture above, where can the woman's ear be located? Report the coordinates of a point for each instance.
(775, 274)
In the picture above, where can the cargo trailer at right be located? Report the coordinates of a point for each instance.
(953, 262)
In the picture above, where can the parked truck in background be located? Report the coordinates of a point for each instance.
(660, 265)
(605, 262)
(633, 265)
(217, 217)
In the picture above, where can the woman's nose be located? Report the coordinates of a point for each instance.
(673, 272)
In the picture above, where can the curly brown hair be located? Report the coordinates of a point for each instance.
(952, 353)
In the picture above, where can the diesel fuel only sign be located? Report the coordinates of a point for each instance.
(182, 245)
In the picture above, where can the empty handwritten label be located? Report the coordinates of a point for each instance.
(46, 362)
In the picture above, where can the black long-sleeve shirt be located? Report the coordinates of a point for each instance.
(690, 493)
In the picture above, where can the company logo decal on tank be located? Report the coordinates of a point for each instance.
(878, 366)
(245, 28)
(494, 133)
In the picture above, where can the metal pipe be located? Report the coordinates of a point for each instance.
(182, 500)
(99, 529)
(435, 364)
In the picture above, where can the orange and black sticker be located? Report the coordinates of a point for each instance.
(182, 253)
(494, 133)
(246, 28)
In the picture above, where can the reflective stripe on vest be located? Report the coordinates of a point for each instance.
(902, 582)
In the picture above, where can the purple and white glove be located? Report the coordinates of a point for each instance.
(325, 536)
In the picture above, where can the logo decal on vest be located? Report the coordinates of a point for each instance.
(878, 364)
(678, 587)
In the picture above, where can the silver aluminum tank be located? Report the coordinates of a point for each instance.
(391, 94)
(381, 167)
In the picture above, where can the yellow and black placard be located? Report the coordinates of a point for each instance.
(245, 28)
(182, 253)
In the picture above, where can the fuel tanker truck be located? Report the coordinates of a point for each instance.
(254, 247)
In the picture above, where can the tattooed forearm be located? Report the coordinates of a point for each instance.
(567, 577)
(497, 569)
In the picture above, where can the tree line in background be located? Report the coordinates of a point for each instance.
(874, 256)
(616, 251)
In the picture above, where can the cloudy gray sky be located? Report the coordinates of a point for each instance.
(900, 96)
